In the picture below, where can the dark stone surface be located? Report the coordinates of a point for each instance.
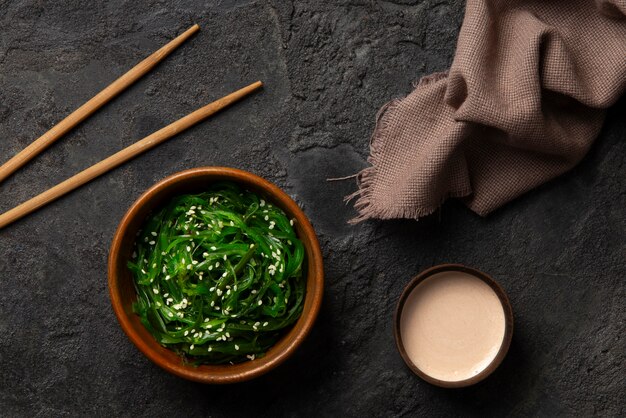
(328, 67)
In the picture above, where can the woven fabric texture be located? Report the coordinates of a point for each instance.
(523, 101)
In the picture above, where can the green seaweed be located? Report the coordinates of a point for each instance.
(218, 275)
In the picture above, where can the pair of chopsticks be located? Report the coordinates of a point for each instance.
(122, 156)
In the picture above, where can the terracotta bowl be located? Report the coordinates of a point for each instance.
(123, 294)
(508, 324)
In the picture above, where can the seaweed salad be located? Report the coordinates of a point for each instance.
(219, 275)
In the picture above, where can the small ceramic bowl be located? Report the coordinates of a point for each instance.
(123, 294)
(508, 324)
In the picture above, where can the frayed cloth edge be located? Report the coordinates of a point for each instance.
(366, 178)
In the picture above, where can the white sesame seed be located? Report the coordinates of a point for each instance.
(262, 203)
(188, 266)
(289, 242)
(194, 262)
(217, 264)
(236, 347)
(212, 303)
(224, 274)
(232, 223)
(271, 226)
(265, 324)
(186, 333)
(143, 271)
(206, 319)
(291, 222)
(267, 218)
(167, 278)
(210, 268)
(155, 290)
(214, 248)
(210, 349)
(152, 243)
(253, 292)
(205, 255)
(219, 292)
(225, 258)
(154, 234)
(212, 289)
(188, 248)
(260, 302)
(191, 347)
(170, 314)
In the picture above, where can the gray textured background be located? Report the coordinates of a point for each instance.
(328, 67)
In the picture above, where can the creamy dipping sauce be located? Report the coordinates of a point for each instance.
(452, 326)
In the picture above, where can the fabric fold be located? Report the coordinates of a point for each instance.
(521, 104)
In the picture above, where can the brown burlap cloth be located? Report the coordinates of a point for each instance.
(521, 104)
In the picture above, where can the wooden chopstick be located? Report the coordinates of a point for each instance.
(124, 155)
(92, 105)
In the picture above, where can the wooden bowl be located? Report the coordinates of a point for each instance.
(508, 324)
(123, 294)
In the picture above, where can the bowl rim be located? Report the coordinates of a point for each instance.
(508, 325)
(255, 367)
